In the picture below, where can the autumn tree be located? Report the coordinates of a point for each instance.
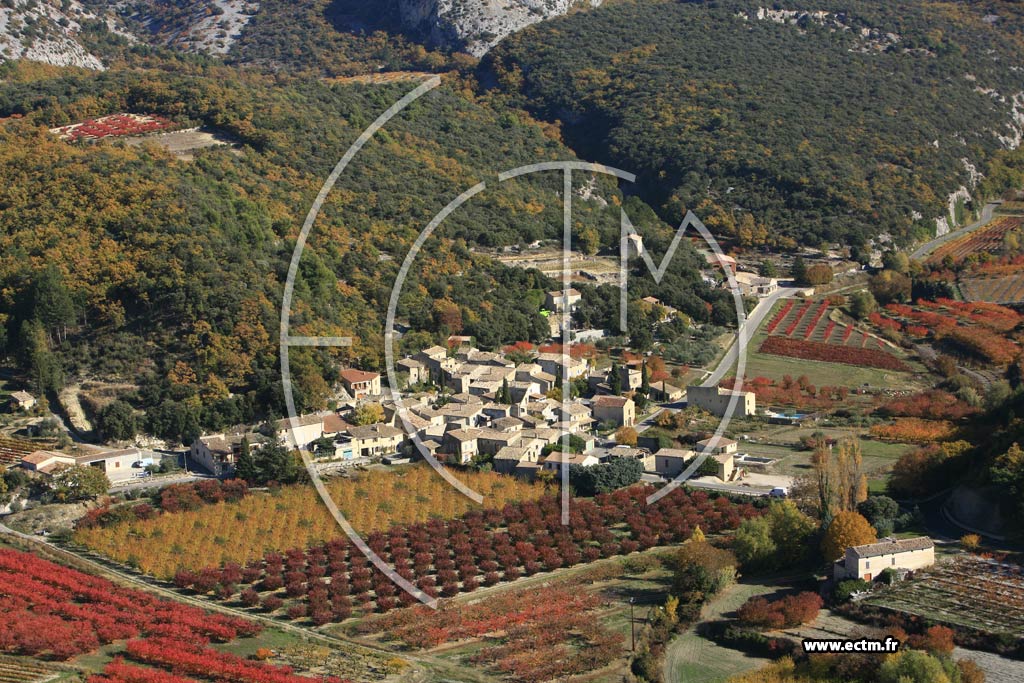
(848, 529)
(700, 570)
(779, 537)
(626, 435)
(840, 482)
(889, 286)
(912, 666)
(368, 414)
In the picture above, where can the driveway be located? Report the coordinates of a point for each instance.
(750, 327)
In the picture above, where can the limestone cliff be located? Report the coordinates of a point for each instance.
(475, 26)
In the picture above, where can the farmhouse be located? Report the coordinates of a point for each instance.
(555, 301)
(716, 400)
(867, 561)
(305, 430)
(752, 284)
(670, 462)
(217, 453)
(22, 400)
(119, 465)
(722, 261)
(360, 384)
(615, 409)
(45, 462)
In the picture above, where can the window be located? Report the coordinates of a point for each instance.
(867, 565)
(894, 561)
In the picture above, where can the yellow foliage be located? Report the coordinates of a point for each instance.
(295, 517)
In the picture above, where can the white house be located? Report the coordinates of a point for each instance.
(359, 383)
(868, 561)
(22, 400)
(557, 460)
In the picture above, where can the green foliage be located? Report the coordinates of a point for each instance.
(781, 537)
(117, 421)
(272, 462)
(609, 476)
(881, 512)
(703, 99)
(862, 304)
(135, 251)
(75, 483)
(844, 589)
(913, 666)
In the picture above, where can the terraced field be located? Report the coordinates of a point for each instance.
(24, 670)
(971, 592)
(986, 239)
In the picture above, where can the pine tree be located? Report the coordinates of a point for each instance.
(799, 272)
(614, 380)
(245, 466)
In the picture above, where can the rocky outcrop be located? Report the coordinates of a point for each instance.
(475, 26)
(45, 32)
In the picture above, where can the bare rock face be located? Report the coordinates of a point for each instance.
(45, 32)
(475, 26)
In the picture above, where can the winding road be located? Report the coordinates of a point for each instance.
(750, 327)
(929, 247)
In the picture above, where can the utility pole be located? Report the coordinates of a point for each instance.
(632, 625)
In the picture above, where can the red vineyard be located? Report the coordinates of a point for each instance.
(444, 558)
(981, 330)
(832, 353)
(986, 239)
(55, 612)
(115, 125)
(810, 321)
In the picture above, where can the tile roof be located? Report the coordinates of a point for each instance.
(351, 376)
(892, 547)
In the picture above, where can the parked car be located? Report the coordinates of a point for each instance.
(778, 492)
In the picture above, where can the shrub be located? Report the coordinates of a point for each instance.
(792, 610)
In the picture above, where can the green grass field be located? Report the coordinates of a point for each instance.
(695, 659)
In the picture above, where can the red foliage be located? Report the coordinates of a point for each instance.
(192, 496)
(521, 539)
(118, 671)
(185, 658)
(780, 316)
(807, 350)
(57, 612)
(787, 612)
(933, 404)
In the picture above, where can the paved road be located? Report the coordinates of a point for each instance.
(753, 322)
(929, 247)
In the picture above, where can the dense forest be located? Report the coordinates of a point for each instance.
(826, 121)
